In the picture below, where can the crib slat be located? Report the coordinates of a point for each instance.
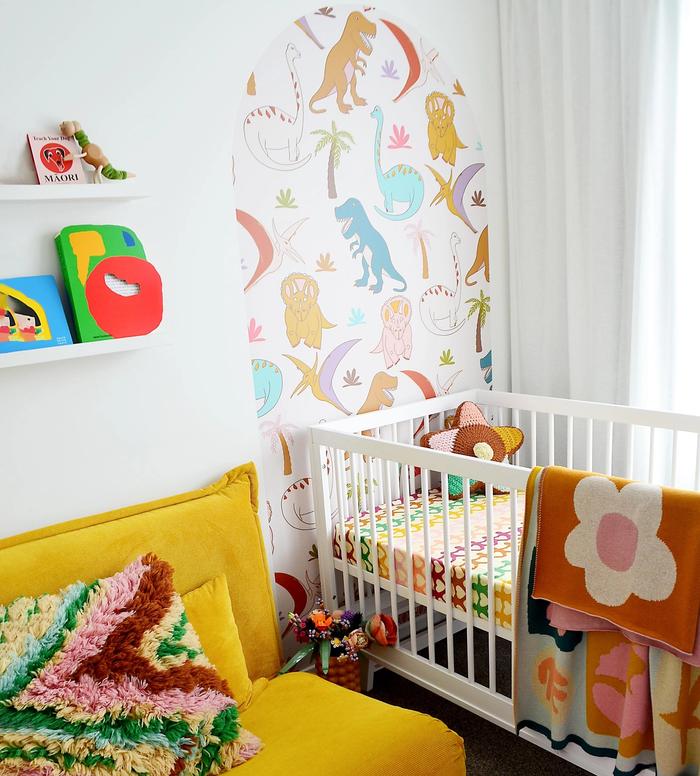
(468, 603)
(652, 462)
(392, 557)
(629, 452)
(674, 460)
(533, 438)
(589, 445)
(425, 488)
(550, 439)
(491, 592)
(356, 530)
(410, 583)
(569, 442)
(411, 441)
(373, 530)
(381, 489)
(362, 488)
(516, 423)
(513, 565)
(447, 562)
(342, 518)
(396, 474)
(609, 448)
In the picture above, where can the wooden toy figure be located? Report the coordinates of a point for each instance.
(92, 154)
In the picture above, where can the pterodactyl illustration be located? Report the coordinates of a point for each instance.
(271, 253)
(321, 380)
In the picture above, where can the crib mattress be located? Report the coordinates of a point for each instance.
(502, 539)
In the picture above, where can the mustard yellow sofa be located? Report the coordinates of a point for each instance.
(206, 533)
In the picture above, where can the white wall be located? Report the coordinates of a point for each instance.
(158, 87)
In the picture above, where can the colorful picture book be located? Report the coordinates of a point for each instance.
(31, 314)
(50, 154)
(113, 288)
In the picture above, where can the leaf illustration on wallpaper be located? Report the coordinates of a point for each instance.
(481, 261)
(351, 379)
(271, 253)
(357, 317)
(480, 307)
(337, 142)
(324, 264)
(297, 509)
(457, 89)
(478, 199)
(389, 69)
(254, 332)
(279, 437)
(303, 318)
(356, 227)
(343, 62)
(446, 358)
(440, 306)
(285, 199)
(399, 138)
(320, 380)
(453, 195)
(269, 128)
(327, 11)
(421, 242)
(401, 183)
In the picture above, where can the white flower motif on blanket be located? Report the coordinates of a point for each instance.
(616, 542)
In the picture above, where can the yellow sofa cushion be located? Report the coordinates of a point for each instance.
(209, 611)
(299, 712)
(202, 534)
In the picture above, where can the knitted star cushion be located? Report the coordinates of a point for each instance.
(110, 678)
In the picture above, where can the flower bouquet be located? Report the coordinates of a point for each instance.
(336, 638)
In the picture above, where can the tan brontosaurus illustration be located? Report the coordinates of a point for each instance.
(482, 259)
(302, 315)
(442, 135)
(344, 60)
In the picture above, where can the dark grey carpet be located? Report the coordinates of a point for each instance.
(491, 751)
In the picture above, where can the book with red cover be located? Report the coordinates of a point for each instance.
(49, 154)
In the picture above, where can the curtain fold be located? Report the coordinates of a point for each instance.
(589, 96)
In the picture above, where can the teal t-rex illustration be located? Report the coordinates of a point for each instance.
(356, 227)
(267, 381)
(402, 183)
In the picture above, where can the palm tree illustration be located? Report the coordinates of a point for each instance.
(480, 307)
(421, 241)
(337, 140)
(276, 433)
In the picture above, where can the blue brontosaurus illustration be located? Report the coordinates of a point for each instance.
(402, 183)
(356, 225)
(267, 381)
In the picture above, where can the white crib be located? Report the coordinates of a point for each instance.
(374, 460)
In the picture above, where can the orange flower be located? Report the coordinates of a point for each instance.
(321, 620)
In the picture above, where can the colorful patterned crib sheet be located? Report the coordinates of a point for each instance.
(502, 539)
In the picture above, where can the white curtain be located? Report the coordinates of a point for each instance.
(589, 105)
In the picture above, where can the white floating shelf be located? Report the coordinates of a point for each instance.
(80, 350)
(130, 188)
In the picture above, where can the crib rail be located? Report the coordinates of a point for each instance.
(372, 464)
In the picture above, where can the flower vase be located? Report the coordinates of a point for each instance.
(345, 673)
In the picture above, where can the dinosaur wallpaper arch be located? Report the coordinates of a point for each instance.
(363, 230)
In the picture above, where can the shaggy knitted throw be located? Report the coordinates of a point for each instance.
(110, 678)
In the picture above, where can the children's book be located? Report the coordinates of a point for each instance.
(50, 154)
(31, 314)
(113, 288)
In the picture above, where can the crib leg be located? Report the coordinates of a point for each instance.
(367, 668)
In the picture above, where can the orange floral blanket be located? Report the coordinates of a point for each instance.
(627, 552)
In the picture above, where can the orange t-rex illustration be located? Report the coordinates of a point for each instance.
(342, 62)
